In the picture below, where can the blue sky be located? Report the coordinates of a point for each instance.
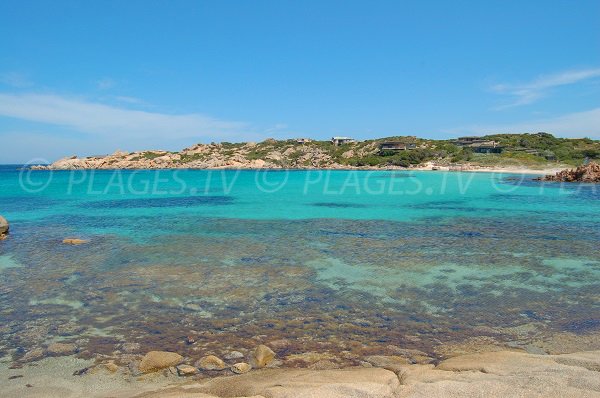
(79, 77)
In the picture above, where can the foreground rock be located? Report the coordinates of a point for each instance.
(490, 374)
(587, 173)
(3, 228)
(157, 360)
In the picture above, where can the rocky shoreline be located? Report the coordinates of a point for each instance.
(589, 173)
(499, 373)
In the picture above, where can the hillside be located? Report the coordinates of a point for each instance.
(526, 150)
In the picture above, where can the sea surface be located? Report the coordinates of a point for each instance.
(343, 262)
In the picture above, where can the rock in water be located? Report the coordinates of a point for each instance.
(3, 227)
(74, 241)
(157, 360)
(234, 355)
(587, 173)
(263, 356)
(241, 367)
(211, 362)
(186, 370)
(61, 349)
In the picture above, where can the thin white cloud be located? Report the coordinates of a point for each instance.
(15, 79)
(528, 93)
(575, 125)
(100, 119)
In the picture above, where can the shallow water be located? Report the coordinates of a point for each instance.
(342, 261)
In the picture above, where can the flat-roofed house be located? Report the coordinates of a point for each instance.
(337, 141)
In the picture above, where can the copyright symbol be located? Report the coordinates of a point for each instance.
(32, 182)
(271, 181)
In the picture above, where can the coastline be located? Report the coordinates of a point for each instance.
(498, 373)
(465, 168)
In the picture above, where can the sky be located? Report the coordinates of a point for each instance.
(91, 77)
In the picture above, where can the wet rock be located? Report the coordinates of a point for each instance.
(324, 365)
(280, 345)
(186, 370)
(262, 356)
(33, 355)
(390, 362)
(157, 360)
(130, 347)
(111, 367)
(233, 355)
(241, 367)
(62, 349)
(74, 241)
(211, 362)
(3, 227)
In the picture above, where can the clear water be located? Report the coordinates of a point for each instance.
(342, 261)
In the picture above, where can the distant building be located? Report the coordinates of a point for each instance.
(337, 141)
(303, 140)
(479, 144)
(396, 146)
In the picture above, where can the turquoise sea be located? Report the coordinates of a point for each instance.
(346, 262)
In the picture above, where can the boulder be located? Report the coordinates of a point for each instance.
(3, 226)
(262, 356)
(241, 367)
(157, 360)
(211, 362)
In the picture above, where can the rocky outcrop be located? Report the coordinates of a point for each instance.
(269, 154)
(586, 173)
(490, 374)
(4, 227)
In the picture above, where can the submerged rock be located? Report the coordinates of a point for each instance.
(233, 355)
(586, 173)
(33, 355)
(241, 367)
(74, 241)
(4, 227)
(157, 360)
(187, 370)
(262, 356)
(211, 362)
(62, 349)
